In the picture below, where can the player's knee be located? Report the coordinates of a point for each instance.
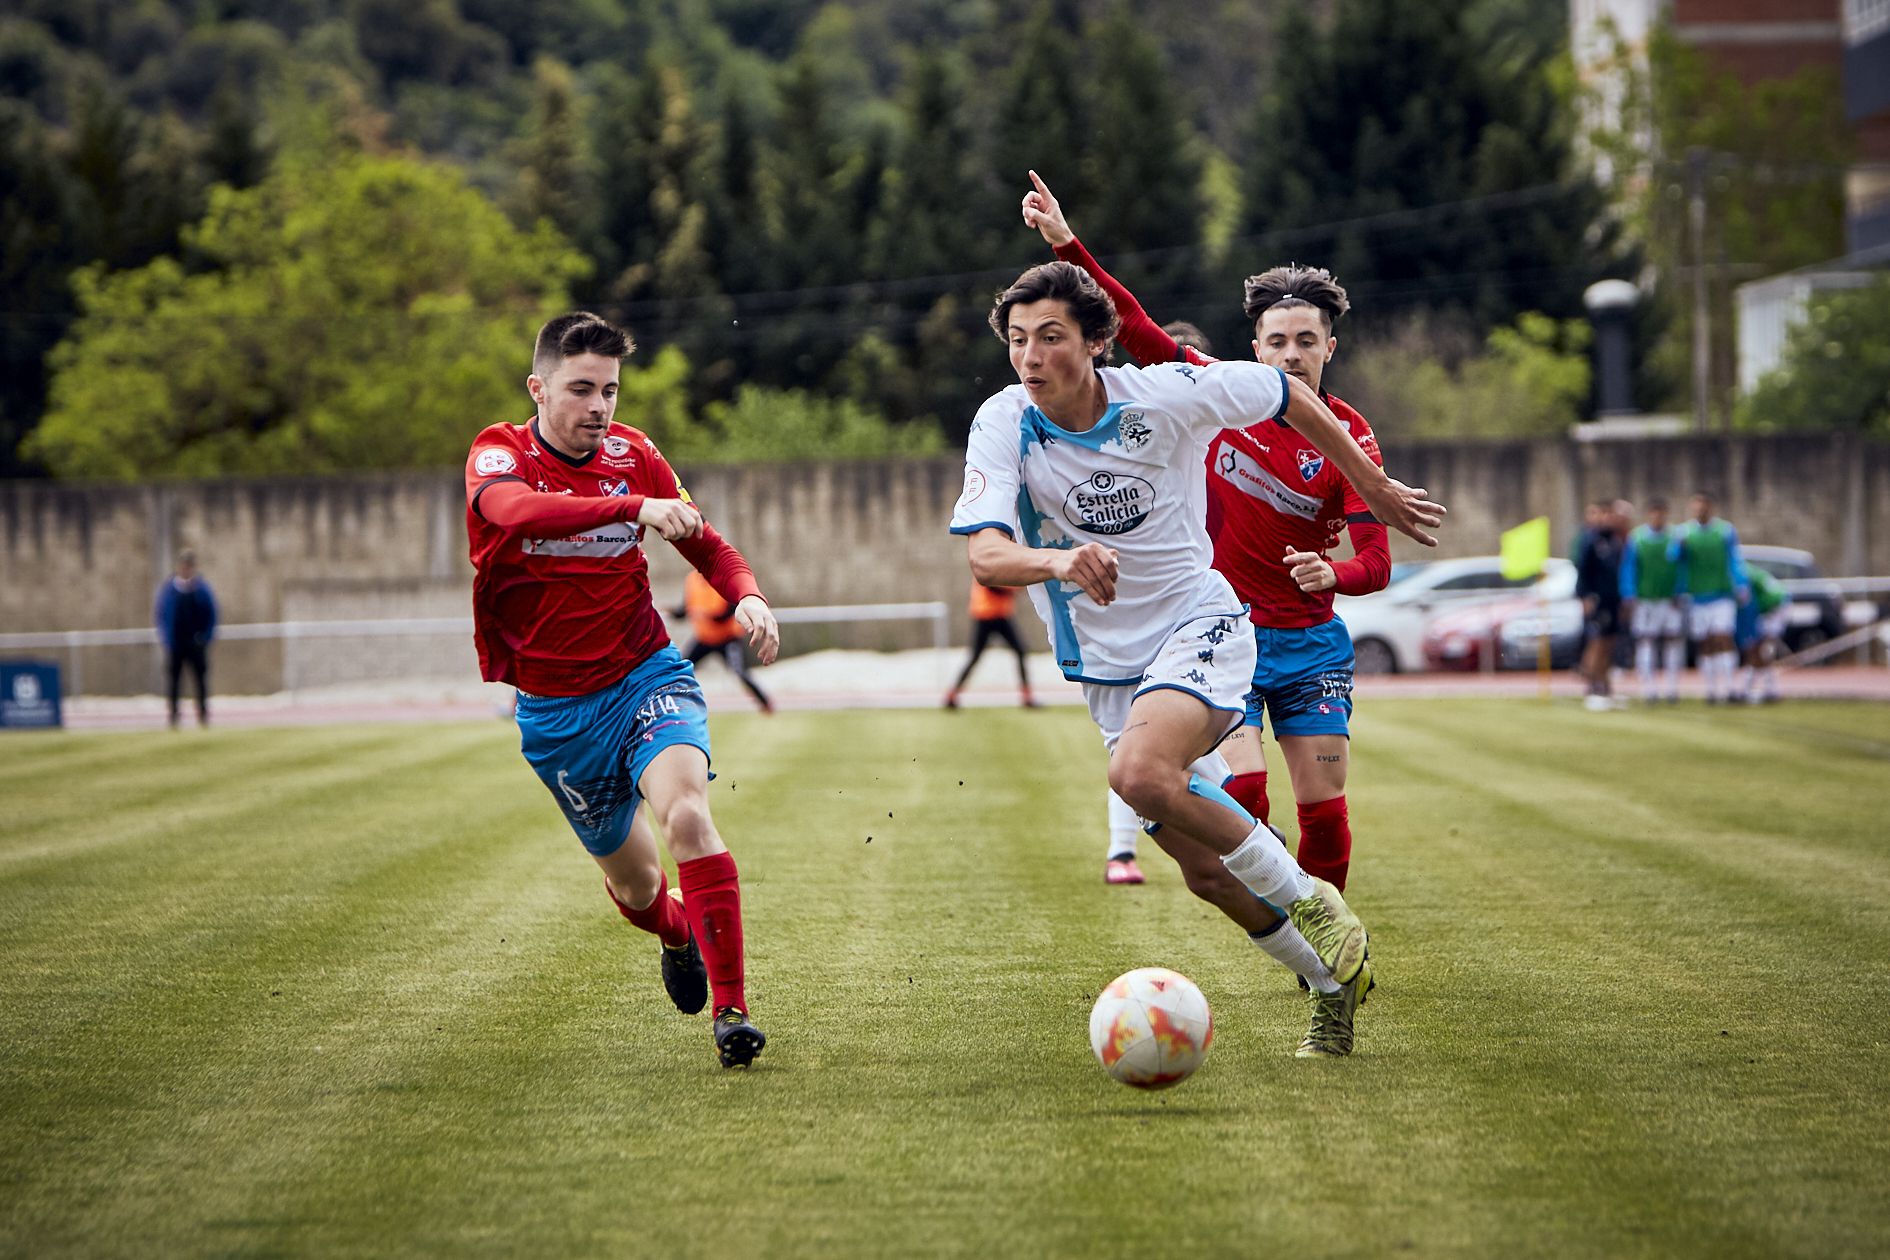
(1142, 783)
(638, 886)
(688, 829)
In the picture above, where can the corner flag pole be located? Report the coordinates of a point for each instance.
(1525, 550)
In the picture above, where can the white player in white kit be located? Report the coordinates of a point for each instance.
(1086, 485)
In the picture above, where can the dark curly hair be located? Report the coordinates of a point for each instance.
(1293, 285)
(1094, 313)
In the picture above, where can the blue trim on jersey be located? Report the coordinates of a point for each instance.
(1063, 641)
(1107, 429)
(972, 529)
(1189, 691)
(1286, 395)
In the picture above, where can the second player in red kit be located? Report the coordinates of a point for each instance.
(610, 716)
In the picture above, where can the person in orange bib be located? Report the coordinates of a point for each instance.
(712, 622)
(991, 608)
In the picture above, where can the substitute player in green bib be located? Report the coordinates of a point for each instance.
(1650, 582)
(1712, 575)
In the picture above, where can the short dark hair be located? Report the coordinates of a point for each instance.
(580, 332)
(1657, 504)
(1705, 494)
(1186, 334)
(1293, 285)
(1094, 313)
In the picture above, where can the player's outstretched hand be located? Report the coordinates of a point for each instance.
(1042, 212)
(1407, 509)
(1311, 571)
(672, 518)
(764, 635)
(1093, 568)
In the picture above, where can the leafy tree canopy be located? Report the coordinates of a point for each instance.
(366, 314)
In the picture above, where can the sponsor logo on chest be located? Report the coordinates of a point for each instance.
(1109, 503)
(1243, 471)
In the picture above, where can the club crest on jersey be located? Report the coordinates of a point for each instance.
(1135, 430)
(616, 450)
(613, 489)
(1109, 503)
(1310, 462)
(492, 461)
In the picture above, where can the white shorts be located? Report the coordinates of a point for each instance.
(1714, 618)
(1210, 657)
(1657, 619)
(1772, 625)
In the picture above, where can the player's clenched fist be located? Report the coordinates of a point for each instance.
(1310, 571)
(764, 635)
(1092, 567)
(672, 518)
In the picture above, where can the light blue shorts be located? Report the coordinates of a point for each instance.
(591, 750)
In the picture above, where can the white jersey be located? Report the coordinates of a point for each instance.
(1136, 482)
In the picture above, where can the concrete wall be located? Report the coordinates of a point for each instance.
(89, 557)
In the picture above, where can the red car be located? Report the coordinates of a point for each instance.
(1462, 640)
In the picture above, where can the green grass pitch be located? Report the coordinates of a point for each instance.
(355, 991)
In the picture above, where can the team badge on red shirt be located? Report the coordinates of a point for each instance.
(1310, 462)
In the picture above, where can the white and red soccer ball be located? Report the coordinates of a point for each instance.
(1151, 1028)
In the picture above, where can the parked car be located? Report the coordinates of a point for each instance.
(1462, 639)
(1388, 626)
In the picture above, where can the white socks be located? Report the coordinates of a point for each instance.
(1125, 828)
(1285, 945)
(1644, 667)
(1674, 658)
(1269, 871)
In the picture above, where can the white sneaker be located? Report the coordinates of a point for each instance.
(1596, 704)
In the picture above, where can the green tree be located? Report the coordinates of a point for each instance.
(1423, 164)
(1143, 143)
(1836, 369)
(1531, 379)
(1768, 162)
(773, 425)
(366, 312)
(553, 157)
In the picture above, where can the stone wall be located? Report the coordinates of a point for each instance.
(368, 547)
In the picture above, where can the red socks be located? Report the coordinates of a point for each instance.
(1250, 791)
(712, 898)
(1325, 840)
(662, 918)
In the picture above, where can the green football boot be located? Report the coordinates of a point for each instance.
(1330, 1036)
(1334, 932)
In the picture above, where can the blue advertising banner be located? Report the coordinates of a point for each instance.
(29, 694)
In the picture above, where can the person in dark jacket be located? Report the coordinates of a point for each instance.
(1598, 586)
(186, 616)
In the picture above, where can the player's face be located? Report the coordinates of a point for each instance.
(1051, 358)
(1296, 341)
(576, 402)
(1702, 508)
(1656, 518)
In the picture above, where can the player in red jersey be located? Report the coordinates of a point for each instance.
(610, 716)
(1276, 506)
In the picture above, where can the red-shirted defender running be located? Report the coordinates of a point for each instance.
(609, 714)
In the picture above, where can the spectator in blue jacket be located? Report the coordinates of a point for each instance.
(186, 617)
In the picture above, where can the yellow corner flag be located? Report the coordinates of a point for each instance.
(1525, 548)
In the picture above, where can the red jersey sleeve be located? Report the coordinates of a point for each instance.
(499, 495)
(1140, 335)
(713, 556)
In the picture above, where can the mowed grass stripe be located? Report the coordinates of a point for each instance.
(1634, 968)
(1529, 1082)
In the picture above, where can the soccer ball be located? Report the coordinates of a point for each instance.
(1151, 1028)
